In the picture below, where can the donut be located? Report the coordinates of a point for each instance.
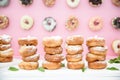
(28, 65)
(54, 58)
(26, 22)
(51, 65)
(26, 51)
(96, 23)
(4, 47)
(95, 41)
(75, 65)
(4, 21)
(97, 65)
(73, 3)
(53, 41)
(72, 23)
(116, 46)
(116, 22)
(33, 58)
(5, 39)
(26, 2)
(93, 57)
(74, 49)
(49, 24)
(49, 3)
(4, 3)
(116, 2)
(6, 59)
(95, 3)
(74, 58)
(7, 53)
(98, 50)
(55, 50)
(75, 40)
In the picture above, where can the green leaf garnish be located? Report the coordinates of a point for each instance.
(13, 69)
(115, 60)
(83, 69)
(112, 68)
(62, 65)
(41, 69)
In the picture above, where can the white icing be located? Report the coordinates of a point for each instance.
(95, 37)
(75, 48)
(100, 48)
(6, 38)
(73, 3)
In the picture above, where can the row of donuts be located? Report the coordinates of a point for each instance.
(70, 3)
(53, 52)
(49, 23)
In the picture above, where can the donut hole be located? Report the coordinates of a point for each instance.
(49, 23)
(96, 23)
(26, 22)
(73, 0)
(118, 46)
(1, 21)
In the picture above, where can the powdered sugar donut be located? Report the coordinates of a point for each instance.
(73, 3)
(5, 39)
(116, 46)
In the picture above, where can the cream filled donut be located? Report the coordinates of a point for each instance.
(4, 47)
(49, 24)
(74, 58)
(73, 3)
(116, 46)
(4, 3)
(7, 53)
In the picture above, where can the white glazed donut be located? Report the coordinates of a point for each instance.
(116, 46)
(73, 3)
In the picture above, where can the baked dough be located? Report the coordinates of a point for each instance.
(74, 58)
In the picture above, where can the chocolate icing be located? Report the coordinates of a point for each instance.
(26, 2)
(116, 22)
(96, 2)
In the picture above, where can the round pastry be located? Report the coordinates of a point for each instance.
(5, 39)
(74, 58)
(7, 53)
(49, 3)
(51, 65)
(4, 21)
(55, 50)
(26, 2)
(93, 57)
(6, 59)
(4, 47)
(74, 49)
(72, 23)
(26, 22)
(95, 41)
(97, 65)
(33, 58)
(75, 40)
(116, 22)
(54, 58)
(116, 46)
(75, 65)
(26, 51)
(29, 65)
(116, 2)
(49, 24)
(95, 3)
(73, 3)
(4, 3)
(96, 23)
(53, 41)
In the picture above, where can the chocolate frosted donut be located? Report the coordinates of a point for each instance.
(116, 22)
(26, 2)
(95, 2)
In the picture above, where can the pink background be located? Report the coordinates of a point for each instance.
(60, 12)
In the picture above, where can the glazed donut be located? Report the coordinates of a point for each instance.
(95, 3)
(26, 2)
(54, 58)
(4, 47)
(74, 49)
(49, 24)
(75, 65)
(73, 3)
(72, 23)
(51, 65)
(33, 58)
(5, 39)
(116, 22)
(93, 57)
(95, 41)
(74, 58)
(97, 65)
(96, 23)
(75, 40)
(49, 3)
(26, 22)
(26, 51)
(116, 46)
(6, 53)
(4, 21)
(6, 59)
(29, 65)
(4, 3)
(53, 41)
(55, 50)
(116, 2)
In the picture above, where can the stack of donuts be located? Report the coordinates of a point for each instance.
(74, 51)
(6, 52)
(97, 53)
(28, 51)
(53, 50)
